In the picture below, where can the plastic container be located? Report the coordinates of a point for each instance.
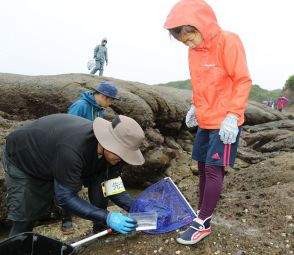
(145, 220)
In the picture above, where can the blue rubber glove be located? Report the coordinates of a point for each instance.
(229, 129)
(191, 120)
(121, 223)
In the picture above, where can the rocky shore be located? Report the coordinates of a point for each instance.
(255, 214)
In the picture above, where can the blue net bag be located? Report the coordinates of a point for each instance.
(168, 202)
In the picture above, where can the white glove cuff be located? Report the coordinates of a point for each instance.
(232, 116)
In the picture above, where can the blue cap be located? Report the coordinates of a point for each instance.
(107, 89)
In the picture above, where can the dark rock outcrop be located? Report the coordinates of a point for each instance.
(159, 110)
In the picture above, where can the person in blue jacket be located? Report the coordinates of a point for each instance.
(57, 155)
(90, 106)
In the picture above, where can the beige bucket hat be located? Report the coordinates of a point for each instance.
(123, 136)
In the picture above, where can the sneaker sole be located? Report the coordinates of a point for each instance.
(185, 242)
(68, 232)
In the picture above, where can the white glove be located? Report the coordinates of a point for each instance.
(191, 120)
(229, 129)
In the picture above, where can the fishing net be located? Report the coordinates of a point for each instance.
(168, 202)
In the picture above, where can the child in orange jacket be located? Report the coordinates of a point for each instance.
(220, 84)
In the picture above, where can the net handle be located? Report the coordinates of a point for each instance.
(168, 178)
(103, 233)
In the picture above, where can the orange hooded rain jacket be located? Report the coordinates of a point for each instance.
(220, 78)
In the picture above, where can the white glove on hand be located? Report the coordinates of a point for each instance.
(191, 120)
(229, 129)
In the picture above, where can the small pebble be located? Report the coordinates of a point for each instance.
(289, 217)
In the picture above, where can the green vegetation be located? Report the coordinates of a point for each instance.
(256, 94)
(177, 84)
(259, 94)
(290, 83)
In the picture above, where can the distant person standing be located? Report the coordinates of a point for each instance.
(100, 56)
(280, 105)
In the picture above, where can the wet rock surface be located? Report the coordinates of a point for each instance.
(256, 210)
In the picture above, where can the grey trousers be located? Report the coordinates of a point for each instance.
(27, 198)
(99, 66)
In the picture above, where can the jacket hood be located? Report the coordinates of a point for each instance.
(89, 97)
(195, 13)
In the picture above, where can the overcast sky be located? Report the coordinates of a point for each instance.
(41, 37)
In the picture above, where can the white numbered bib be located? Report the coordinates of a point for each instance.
(112, 187)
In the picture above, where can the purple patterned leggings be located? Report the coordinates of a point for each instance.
(210, 187)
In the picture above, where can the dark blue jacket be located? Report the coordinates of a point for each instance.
(68, 199)
(86, 107)
(63, 148)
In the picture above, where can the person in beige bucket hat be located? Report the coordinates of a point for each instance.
(123, 137)
(58, 154)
